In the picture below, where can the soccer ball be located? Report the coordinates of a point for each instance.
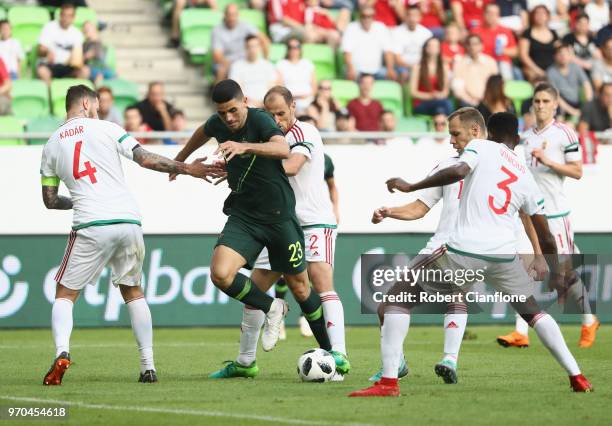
(316, 365)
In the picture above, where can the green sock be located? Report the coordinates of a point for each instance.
(245, 290)
(280, 288)
(313, 312)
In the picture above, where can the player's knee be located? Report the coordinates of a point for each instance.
(221, 277)
(300, 291)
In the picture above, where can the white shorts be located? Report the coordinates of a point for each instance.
(89, 250)
(561, 229)
(320, 246)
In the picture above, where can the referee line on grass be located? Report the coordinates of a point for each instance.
(162, 410)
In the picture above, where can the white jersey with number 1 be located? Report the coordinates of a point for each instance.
(84, 154)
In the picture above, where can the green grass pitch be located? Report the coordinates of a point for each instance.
(496, 385)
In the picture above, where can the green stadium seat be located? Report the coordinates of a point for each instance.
(254, 17)
(59, 87)
(10, 124)
(47, 124)
(344, 90)
(125, 92)
(2, 13)
(277, 52)
(196, 29)
(30, 98)
(82, 14)
(27, 22)
(389, 94)
(412, 124)
(323, 57)
(111, 57)
(407, 101)
(222, 4)
(518, 91)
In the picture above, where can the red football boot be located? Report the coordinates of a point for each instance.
(579, 383)
(384, 387)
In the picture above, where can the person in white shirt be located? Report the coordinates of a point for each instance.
(10, 50)
(84, 154)
(60, 47)
(599, 14)
(367, 48)
(298, 75)
(408, 40)
(496, 186)
(255, 75)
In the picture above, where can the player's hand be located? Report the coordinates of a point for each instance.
(538, 268)
(556, 281)
(538, 154)
(204, 171)
(399, 184)
(230, 149)
(379, 214)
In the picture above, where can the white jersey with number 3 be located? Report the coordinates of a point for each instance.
(497, 187)
(84, 154)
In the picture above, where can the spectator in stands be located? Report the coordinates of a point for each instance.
(156, 112)
(558, 13)
(433, 16)
(320, 27)
(497, 41)
(288, 18)
(597, 114)
(94, 54)
(437, 146)
(472, 72)
(10, 50)
(606, 32)
(228, 41)
(345, 9)
(537, 44)
(468, 14)
(364, 44)
(582, 44)
(429, 83)
(513, 14)
(365, 110)
(387, 12)
(254, 74)
(495, 100)
(344, 123)
(408, 40)
(324, 107)
(602, 68)
(452, 49)
(5, 89)
(298, 75)
(177, 9)
(388, 122)
(60, 46)
(179, 124)
(570, 80)
(599, 13)
(133, 123)
(107, 110)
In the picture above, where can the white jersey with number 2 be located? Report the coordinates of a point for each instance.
(84, 154)
(497, 187)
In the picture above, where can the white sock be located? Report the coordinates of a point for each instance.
(334, 320)
(393, 333)
(142, 326)
(61, 324)
(550, 335)
(454, 327)
(588, 319)
(522, 326)
(252, 321)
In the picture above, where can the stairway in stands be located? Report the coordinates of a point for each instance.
(134, 28)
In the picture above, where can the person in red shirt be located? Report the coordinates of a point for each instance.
(433, 14)
(364, 109)
(468, 14)
(452, 49)
(429, 82)
(389, 12)
(497, 41)
(5, 89)
(302, 19)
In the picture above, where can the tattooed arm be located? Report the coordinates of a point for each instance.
(53, 200)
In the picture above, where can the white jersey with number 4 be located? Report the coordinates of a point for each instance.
(312, 203)
(84, 154)
(497, 187)
(560, 144)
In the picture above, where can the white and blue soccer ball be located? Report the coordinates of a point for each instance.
(316, 365)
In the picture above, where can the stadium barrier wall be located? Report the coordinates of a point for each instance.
(182, 218)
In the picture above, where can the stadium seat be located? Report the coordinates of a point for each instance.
(44, 125)
(82, 14)
(407, 100)
(111, 57)
(59, 87)
(27, 22)
(322, 55)
(412, 124)
(344, 90)
(389, 94)
(10, 124)
(222, 4)
(30, 98)
(277, 52)
(196, 29)
(125, 92)
(254, 17)
(2, 13)
(518, 91)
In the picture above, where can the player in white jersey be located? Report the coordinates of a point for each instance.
(496, 187)
(552, 153)
(322, 308)
(84, 154)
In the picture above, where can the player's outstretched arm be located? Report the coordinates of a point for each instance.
(53, 200)
(445, 176)
(411, 211)
(277, 147)
(159, 163)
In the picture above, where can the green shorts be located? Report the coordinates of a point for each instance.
(284, 241)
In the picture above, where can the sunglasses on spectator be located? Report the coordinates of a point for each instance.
(367, 16)
(294, 46)
(324, 87)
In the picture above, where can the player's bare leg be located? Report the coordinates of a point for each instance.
(142, 326)
(61, 326)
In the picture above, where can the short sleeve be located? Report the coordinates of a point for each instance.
(19, 50)
(216, 43)
(571, 145)
(303, 148)
(534, 200)
(45, 38)
(124, 141)
(581, 75)
(470, 155)
(48, 174)
(347, 44)
(430, 196)
(266, 126)
(328, 172)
